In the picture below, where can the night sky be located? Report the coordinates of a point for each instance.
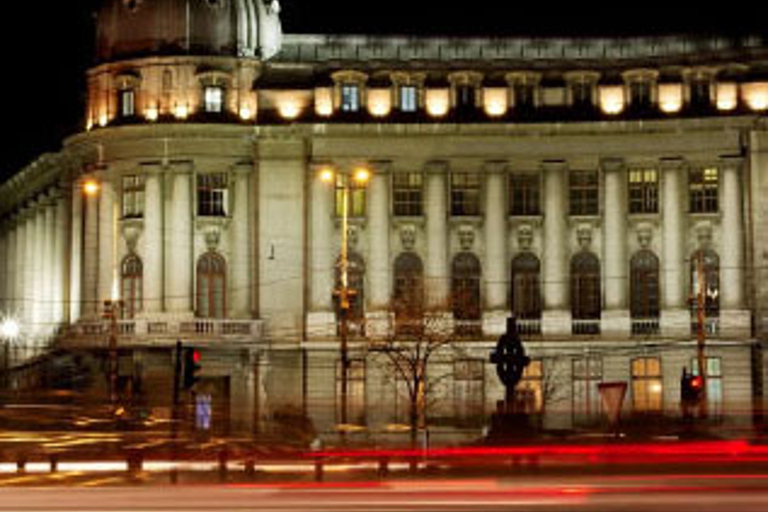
(47, 46)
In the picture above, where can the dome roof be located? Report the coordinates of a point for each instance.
(239, 28)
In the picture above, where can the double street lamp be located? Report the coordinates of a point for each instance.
(344, 180)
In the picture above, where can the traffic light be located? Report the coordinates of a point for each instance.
(191, 367)
(692, 387)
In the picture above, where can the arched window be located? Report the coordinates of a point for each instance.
(211, 286)
(356, 284)
(409, 294)
(644, 285)
(585, 287)
(131, 277)
(526, 287)
(465, 293)
(710, 264)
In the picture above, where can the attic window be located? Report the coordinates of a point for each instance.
(132, 5)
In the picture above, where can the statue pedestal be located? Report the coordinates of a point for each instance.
(513, 423)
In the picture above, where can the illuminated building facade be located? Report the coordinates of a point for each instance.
(581, 185)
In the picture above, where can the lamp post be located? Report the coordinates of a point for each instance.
(361, 176)
(703, 293)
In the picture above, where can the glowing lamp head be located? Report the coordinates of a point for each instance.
(362, 175)
(327, 175)
(91, 187)
(9, 329)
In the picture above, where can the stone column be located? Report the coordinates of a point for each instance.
(49, 267)
(496, 263)
(379, 266)
(60, 261)
(4, 235)
(321, 319)
(90, 277)
(616, 314)
(675, 317)
(241, 255)
(76, 256)
(556, 317)
(153, 243)
(734, 319)
(10, 269)
(107, 244)
(437, 272)
(179, 236)
(39, 298)
(20, 290)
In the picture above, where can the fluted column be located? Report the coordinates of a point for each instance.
(153, 243)
(675, 318)
(61, 260)
(241, 257)
(436, 202)
(735, 320)
(39, 298)
(379, 269)
(49, 266)
(556, 315)
(10, 269)
(21, 266)
(76, 256)
(616, 314)
(4, 235)
(90, 277)
(179, 265)
(107, 243)
(321, 320)
(496, 253)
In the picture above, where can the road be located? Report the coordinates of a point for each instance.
(702, 493)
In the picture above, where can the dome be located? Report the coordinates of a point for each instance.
(138, 28)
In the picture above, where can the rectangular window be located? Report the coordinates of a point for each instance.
(469, 388)
(530, 390)
(703, 188)
(640, 95)
(212, 194)
(356, 200)
(465, 194)
(127, 103)
(714, 379)
(350, 98)
(355, 391)
(133, 196)
(524, 194)
(701, 93)
(582, 94)
(408, 98)
(584, 192)
(214, 99)
(407, 193)
(587, 376)
(525, 97)
(643, 191)
(647, 387)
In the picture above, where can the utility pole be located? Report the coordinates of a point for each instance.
(701, 304)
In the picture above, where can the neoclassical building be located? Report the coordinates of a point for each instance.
(593, 188)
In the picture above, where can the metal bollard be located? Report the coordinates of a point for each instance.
(54, 461)
(383, 467)
(223, 460)
(250, 467)
(21, 464)
(135, 462)
(319, 470)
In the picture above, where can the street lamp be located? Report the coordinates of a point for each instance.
(360, 176)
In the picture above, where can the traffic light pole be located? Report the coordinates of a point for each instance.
(701, 304)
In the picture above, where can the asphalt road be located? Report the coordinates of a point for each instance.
(678, 493)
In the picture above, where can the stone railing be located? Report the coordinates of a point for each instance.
(141, 331)
(645, 326)
(585, 327)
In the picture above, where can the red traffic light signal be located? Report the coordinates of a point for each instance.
(191, 364)
(697, 382)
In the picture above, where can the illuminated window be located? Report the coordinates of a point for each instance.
(211, 286)
(703, 185)
(357, 196)
(465, 194)
(408, 296)
(356, 373)
(526, 287)
(584, 192)
(524, 194)
(647, 387)
(643, 191)
(213, 99)
(587, 376)
(465, 294)
(408, 98)
(133, 196)
(469, 388)
(212, 194)
(127, 103)
(714, 384)
(131, 282)
(408, 193)
(530, 390)
(350, 98)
